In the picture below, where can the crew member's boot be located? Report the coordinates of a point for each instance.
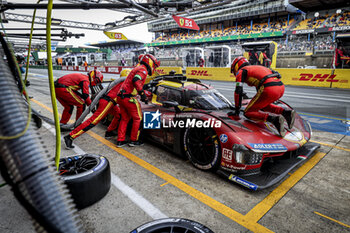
(110, 134)
(289, 115)
(278, 122)
(68, 140)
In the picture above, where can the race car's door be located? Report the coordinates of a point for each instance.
(161, 94)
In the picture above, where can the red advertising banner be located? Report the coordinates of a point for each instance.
(103, 69)
(186, 23)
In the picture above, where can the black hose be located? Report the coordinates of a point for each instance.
(86, 111)
(27, 168)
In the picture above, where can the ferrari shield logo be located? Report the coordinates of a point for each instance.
(181, 21)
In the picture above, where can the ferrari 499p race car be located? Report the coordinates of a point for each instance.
(192, 118)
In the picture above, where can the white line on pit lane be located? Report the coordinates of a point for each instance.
(140, 201)
(298, 96)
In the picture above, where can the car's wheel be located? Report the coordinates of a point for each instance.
(172, 225)
(202, 148)
(88, 178)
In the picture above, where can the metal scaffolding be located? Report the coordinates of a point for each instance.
(55, 22)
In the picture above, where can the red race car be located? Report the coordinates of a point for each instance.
(192, 118)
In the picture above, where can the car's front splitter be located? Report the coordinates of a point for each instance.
(271, 173)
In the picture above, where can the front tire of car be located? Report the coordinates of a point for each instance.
(202, 148)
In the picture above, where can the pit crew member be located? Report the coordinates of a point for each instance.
(129, 104)
(106, 105)
(67, 94)
(269, 89)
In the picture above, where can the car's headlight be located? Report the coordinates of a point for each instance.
(245, 156)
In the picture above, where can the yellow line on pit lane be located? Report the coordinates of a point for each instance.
(214, 204)
(332, 219)
(329, 145)
(270, 200)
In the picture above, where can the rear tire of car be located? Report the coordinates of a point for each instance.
(169, 225)
(202, 148)
(87, 176)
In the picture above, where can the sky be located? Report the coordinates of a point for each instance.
(138, 32)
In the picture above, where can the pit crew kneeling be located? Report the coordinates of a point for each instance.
(106, 105)
(269, 89)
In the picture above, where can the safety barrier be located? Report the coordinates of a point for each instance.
(210, 73)
(162, 70)
(103, 69)
(338, 78)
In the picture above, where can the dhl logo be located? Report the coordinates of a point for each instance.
(200, 73)
(319, 78)
(160, 71)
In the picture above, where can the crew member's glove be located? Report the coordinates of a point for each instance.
(143, 97)
(147, 86)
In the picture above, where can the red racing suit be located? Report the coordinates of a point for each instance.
(106, 105)
(67, 94)
(129, 104)
(269, 89)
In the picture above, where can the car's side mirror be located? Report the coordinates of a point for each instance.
(169, 104)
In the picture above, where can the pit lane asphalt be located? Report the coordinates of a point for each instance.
(323, 190)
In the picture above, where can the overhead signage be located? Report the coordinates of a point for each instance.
(186, 23)
(115, 35)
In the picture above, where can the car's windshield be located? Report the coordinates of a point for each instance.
(209, 99)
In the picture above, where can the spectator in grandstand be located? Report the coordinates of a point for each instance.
(269, 89)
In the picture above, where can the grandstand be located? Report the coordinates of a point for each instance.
(123, 52)
(302, 33)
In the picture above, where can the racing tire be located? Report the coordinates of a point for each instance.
(172, 225)
(87, 176)
(202, 148)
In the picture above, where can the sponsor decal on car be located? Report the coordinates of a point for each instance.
(227, 154)
(223, 138)
(243, 182)
(231, 167)
(267, 147)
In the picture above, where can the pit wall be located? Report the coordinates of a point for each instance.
(338, 78)
(331, 78)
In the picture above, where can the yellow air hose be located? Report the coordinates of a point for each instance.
(30, 44)
(51, 81)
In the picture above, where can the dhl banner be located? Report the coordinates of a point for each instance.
(315, 77)
(338, 78)
(163, 70)
(210, 73)
(343, 75)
